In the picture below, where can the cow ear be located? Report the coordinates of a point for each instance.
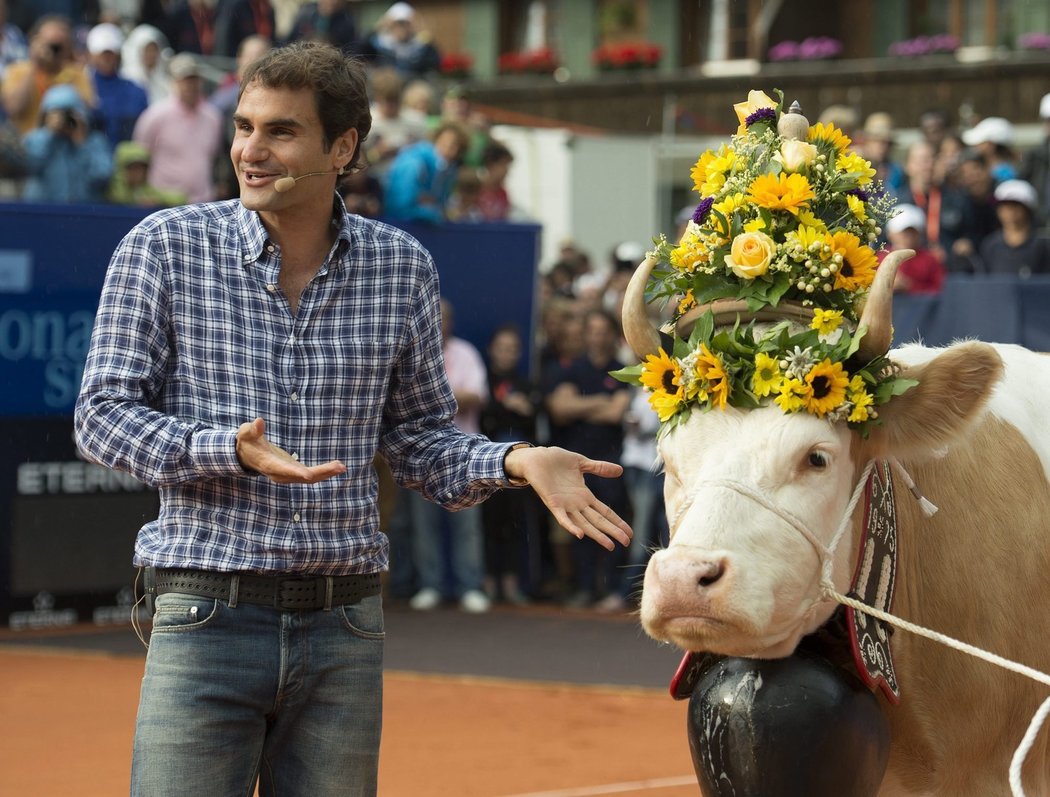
(953, 388)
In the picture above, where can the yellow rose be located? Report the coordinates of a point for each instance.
(795, 155)
(755, 100)
(750, 254)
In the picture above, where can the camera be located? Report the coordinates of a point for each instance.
(69, 120)
(55, 49)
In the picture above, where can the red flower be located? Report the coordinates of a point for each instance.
(623, 55)
(456, 63)
(541, 61)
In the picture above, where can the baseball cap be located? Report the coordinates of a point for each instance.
(400, 12)
(993, 128)
(62, 97)
(1017, 191)
(103, 38)
(907, 217)
(184, 65)
(1044, 107)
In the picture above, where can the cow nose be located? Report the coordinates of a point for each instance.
(709, 571)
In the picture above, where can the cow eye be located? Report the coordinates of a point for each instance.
(818, 459)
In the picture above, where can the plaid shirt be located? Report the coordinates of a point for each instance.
(193, 338)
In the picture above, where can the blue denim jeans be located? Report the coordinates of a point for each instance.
(234, 694)
(466, 543)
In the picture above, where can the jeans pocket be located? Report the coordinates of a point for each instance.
(364, 618)
(179, 612)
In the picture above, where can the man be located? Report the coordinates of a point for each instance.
(120, 101)
(422, 176)
(51, 62)
(183, 135)
(588, 407)
(250, 358)
(1035, 167)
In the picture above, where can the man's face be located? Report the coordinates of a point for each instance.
(106, 63)
(52, 46)
(599, 338)
(448, 146)
(189, 90)
(278, 133)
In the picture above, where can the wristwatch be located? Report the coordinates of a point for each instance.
(515, 482)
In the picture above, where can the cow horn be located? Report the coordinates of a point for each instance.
(877, 315)
(641, 335)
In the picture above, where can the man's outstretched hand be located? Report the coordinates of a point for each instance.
(557, 477)
(257, 453)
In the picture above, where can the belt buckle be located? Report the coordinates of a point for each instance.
(294, 593)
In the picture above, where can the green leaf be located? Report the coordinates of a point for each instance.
(631, 374)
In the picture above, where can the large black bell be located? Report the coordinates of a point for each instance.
(793, 727)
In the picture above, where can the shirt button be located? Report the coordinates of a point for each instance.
(295, 517)
(294, 397)
(291, 340)
(269, 248)
(295, 455)
(271, 288)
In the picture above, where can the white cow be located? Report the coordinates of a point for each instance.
(739, 579)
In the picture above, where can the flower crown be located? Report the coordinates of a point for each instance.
(788, 218)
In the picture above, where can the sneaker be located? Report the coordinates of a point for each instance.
(475, 601)
(611, 604)
(425, 600)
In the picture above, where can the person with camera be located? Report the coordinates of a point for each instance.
(51, 62)
(68, 161)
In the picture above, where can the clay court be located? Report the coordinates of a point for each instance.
(532, 702)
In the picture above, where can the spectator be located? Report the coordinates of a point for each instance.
(494, 201)
(51, 62)
(422, 176)
(645, 489)
(463, 205)
(947, 159)
(948, 212)
(190, 26)
(144, 60)
(466, 377)
(1016, 249)
(935, 126)
(362, 193)
(876, 142)
(130, 183)
(120, 101)
(975, 180)
(68, 161)
(236, 20)
(393, 128)
(993, 137)
(417, 103)
(589, 406)
(511, 518)
(183, 135)
(923, 273)
(1035, 168)
(14, 163)
(843, 117)
(396, 42)
(326, 21)
(13, 46)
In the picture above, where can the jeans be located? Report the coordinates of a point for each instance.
(232, 694)
(465, 541)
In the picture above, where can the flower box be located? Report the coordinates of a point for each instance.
(456, 65)
(627, 55)
(542, 61)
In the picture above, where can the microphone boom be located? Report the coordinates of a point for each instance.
(287, 183)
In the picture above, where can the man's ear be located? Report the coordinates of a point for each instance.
(345, 147)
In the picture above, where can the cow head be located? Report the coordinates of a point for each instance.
(753, 495)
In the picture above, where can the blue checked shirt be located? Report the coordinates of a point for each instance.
(193, 338)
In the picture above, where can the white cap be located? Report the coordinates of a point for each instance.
(907, 217)
(1017, 191)
(1044, 107)
(630, 252)
(993, 128)
(184, 65)
(400, 12)
(105, 37)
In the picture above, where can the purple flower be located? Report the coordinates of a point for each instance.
(703, 209)
(784, 51)
(860, 194)
(1034, 41)
(817, 47)
(761, 115)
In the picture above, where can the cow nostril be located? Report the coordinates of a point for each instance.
(710, 572)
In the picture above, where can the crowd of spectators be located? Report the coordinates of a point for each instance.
(74, 94)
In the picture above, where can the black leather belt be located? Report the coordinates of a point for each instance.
(281, 591)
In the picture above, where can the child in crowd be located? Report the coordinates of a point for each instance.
(1016, 249)
(923, 273)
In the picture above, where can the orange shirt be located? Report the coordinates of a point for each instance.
(16, 73)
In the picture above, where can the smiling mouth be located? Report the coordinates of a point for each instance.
(253, 177)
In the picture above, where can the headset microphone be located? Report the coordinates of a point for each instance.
(284, 184)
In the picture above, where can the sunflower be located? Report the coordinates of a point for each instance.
(791, 397)
(821, 133)
(826, 385)
(789, 192)
(716, 384)
(826, 321)
(663, 376)
(767, 377)
(858, 262)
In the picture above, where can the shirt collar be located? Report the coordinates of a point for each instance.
(254, 235)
